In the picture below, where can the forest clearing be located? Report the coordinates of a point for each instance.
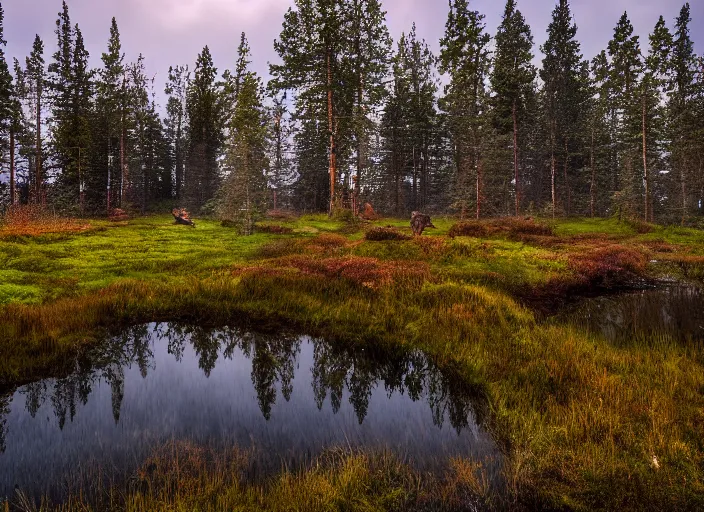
(308, 255)
(583, 421)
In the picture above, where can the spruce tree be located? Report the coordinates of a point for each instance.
(7, 110)
(370, 53)
(35, 76)
(653, 89)
(624, 51)
(464, 56)
(204, 109)
(110, 107)
(410, 122)
(682, 122)
(312, 46)
(177, 122)
(243, 196)
(564, 98)
(512, 82)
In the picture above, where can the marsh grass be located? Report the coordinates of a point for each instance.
(182, 476)
(580, 419)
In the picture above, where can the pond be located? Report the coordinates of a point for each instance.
(670, 312)
(286, 398)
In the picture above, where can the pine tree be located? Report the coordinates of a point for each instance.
(410, 122)
(653, 90)
(141, 159)
(36, 80)
(465, 56)
(370, 44)
(244, 192)
(6, 89)
(512, 82)
(312, 48)
(233, 80)
(205, 115)
(564, 98)
(60, 88)
(7, 110)
(83, 113)
(281, 171)
(624, 51)
(601, 135)
(682, 113)
(110, 107)
(176, 121)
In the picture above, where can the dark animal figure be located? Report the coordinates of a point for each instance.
(420, 221)
(182, 217)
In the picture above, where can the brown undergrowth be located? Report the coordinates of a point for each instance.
(185, 476)
(579, 419)
(34, 220)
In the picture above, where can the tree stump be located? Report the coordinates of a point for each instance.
(181, 216)
(369, 213)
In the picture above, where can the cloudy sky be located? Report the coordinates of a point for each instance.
(174, 31)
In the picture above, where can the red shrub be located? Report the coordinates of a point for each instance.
(33, 220)
(388, 233)
(274, 229)
(368, 272)
(608, 263)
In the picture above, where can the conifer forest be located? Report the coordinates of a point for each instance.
(350, 117)
(366, 274)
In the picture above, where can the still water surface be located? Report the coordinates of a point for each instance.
(667, 313)
(287, 398)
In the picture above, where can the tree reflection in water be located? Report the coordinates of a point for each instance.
(4, 411)
(274, 361)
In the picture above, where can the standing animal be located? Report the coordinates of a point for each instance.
(420, 221)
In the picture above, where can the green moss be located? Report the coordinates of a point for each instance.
(584, 226)
(579, 419)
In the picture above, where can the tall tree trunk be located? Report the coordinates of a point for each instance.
(39, 197)
(424, 174)
(415, 180)
(646, 179)
(179, 159)
(331, 129)
(360, 140)
(479, 188)
(109, 170)
(515, 159)
(592, 185)
(683, 183)
(13, 193)
(567, 183)
(123, 167)
(552, 167)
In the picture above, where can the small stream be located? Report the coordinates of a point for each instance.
(286, 398)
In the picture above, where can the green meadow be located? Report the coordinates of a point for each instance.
(584, 424)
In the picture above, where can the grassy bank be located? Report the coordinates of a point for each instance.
(186, 477)
(586, 425)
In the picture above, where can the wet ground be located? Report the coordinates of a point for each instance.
(286, 398)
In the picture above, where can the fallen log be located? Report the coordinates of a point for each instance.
(181, 216)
